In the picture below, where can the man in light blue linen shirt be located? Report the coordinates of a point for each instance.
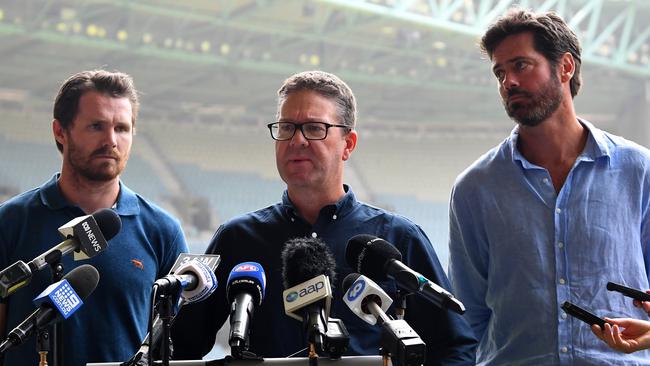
(552, 214)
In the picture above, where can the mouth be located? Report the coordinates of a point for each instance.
(515, 98)
(105, 157)
(298, 160)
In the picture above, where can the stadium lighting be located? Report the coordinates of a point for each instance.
(205, 46)
(224, 49)
(122, 35)
(61, 27)
(92, 30)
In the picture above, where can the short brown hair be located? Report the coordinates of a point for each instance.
(327, 85)
(552, 38)
(114, 84)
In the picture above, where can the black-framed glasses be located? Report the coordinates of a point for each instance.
(283, 131)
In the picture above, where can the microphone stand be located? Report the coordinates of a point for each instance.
(42, 344)
(56, 268)
(400, 300)
(166, 313)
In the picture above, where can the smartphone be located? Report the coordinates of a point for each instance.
(629, 292)
(582, 314)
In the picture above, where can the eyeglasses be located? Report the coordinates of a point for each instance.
(283, 131)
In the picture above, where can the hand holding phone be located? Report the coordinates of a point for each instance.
(582, 314)
(629, 292)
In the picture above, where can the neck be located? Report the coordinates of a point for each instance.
(558, 138)
(309, 202)
(554, 144)
(90, 196)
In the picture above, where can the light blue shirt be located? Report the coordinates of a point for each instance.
(518, 250)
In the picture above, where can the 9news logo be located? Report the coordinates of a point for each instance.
(356, 289)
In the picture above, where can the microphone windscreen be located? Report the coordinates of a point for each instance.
(304, 259)
(108, 221)
(83, 280)
(349, 280)
(248, 277)
(368, 255)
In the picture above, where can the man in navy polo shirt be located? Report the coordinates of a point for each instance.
(93, 126)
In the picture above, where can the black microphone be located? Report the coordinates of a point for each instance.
(57, 302)
(85, 234)
(245, 291)
(307, 271)
(378, 259)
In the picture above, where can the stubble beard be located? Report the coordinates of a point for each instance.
(540, 106)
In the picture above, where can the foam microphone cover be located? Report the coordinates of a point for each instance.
(83, 280)
(108, 221)
(369, 255)
(349, 280)
(304, 259)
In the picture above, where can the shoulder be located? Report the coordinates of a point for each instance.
(393, 226)
(151, 219)
(269, 215)
(498, 158)
(626, 151)
(16, 209)
(150, 211)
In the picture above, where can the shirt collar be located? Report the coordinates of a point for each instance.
(52, 197)
(340, 208)
(596, 146)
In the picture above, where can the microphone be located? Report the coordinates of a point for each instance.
(86, 235)
(366, 299)
(152, 339)
(369, 302)
(307, 269)
(377, 258)
(58, 301)
(194, 280)
(245, 291)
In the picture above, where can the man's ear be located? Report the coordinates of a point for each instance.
(350, 144)
(567, 67)
(58, 132)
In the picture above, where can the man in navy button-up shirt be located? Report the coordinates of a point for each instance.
(314, 136)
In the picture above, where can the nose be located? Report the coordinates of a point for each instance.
(509, 81)
(111, 137)
(298, 139)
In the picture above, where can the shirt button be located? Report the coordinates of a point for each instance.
(565, 350)
(563, 315)
(334, 217)
(292, 219)
(558, 210)
(560, 245)
(562, 281)
(545, 180)
(313, 235)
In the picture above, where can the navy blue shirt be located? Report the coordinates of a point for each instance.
(260, 236)
(113, 320)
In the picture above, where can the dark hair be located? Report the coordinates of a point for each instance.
(114, 84)
(327, 85)
(552, 38)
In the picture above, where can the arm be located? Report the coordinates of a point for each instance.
(448, 336)
(635, 335)
(468, 264)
